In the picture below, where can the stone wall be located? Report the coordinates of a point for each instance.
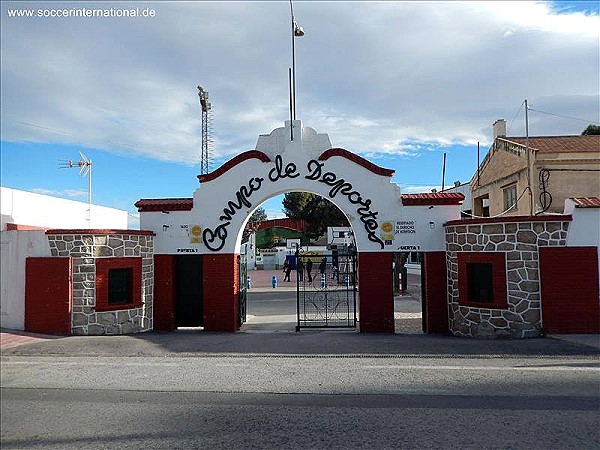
(519, 239)
(85, 247)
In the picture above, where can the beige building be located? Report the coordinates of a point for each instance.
(527, 176)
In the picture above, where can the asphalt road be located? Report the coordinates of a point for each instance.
(268, 387)
(310, 401)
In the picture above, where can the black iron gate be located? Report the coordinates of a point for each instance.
(243, 288)
(326, 290)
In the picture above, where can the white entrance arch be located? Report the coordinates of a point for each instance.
(211, 223)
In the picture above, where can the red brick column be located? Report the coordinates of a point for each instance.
(436, 301)
(164, 293)
(570, 294)
(48, 295)
(375, 292)
(220, 292)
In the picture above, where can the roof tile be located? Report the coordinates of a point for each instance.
(433, 198)
(587, 202)
(164, 204)
(560, 144)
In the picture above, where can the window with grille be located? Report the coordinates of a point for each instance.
(119, 286)
(510, 197)
(480, 282)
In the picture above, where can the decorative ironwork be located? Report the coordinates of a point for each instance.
(243, 288)
(326, 290)
(545, 196)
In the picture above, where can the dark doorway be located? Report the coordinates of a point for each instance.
(188, 282)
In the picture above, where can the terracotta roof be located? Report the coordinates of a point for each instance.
(433, 198)
(587, 202)
(164, 204)
(558, 144)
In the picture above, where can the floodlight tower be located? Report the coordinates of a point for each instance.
(206, 108)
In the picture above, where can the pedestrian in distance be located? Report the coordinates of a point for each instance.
(335, 272)
(309, 265)
(323, 266)
(286, 270)
(300, 268)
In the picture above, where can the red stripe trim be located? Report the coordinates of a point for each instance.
(356, 159)
(94, 231)
(512, 219)
(250, 154)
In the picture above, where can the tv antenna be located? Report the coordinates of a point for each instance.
(85, 169)
(207, 141)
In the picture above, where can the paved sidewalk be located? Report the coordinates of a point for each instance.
(307, 342)
(14, 338)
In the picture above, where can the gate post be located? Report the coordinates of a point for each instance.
(164, 294)
(220, 289)
(375, 287)
(435, 301)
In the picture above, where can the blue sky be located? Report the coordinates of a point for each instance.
(400, 83)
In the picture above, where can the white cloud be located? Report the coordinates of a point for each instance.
(379, 77)
(68, 193)
(419, 189)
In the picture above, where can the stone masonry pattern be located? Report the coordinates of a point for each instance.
(84, 249)
(520, 242)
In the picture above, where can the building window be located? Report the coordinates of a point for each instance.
(510, 197)
(479, 282)
(482, 280)
(118, 283)
(481, 206)
(119, 286)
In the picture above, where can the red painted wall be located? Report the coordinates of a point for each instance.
(48, 295)
(375, 292)
(220, 286)
(569, 287)
(165, 318)
(436, 301)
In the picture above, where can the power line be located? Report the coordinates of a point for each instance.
(565, 117)
(515, 116)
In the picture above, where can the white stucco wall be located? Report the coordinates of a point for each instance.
(585, 228)
(27, 208)
(15, 247)
(368, 200)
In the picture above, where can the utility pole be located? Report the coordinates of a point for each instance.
(444, 172)
(528, 159)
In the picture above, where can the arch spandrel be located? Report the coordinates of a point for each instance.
(360, 189)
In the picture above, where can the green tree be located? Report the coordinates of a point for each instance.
(591, 129)
(259, 215)
(318, 212)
